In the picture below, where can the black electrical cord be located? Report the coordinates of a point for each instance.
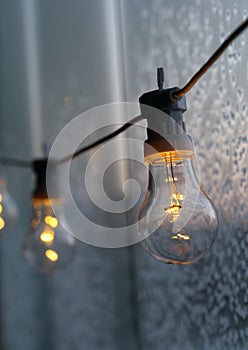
(212, 59)
(102, 140)
(177, 95)
(29, 164)
(16, 162)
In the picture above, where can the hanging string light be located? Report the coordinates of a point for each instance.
(182, 234)
(47, 246)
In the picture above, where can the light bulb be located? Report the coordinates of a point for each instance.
(8, 208)
(47, 246)
(178, 222)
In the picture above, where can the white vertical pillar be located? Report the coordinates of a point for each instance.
(33, 76)
(114, 48)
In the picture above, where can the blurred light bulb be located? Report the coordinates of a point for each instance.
(177, 222)
(8, 208)
(48, 246)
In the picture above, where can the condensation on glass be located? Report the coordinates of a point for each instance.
(203, 305)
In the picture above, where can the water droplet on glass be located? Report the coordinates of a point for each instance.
(242, 40)
(235, 8)
(228, 14)
(240, 93)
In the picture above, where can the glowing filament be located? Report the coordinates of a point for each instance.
(170, 179)
(51, 255)
(174, 209)
(47, 236)
(181, 236)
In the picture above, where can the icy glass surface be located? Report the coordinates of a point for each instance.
(203, 306)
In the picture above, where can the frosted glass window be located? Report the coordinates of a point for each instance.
(124, 299)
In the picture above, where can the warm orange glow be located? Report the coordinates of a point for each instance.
(181, 197)
(183, 236)
(175, 198)
(1, 208)
(174, 211)
(47, 236)
(47, 201)
(169, 179)
(171, 156)
(2, 223)
(52, 255)
(1, 197)
(52, 221)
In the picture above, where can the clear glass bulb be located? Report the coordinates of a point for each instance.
(8, 208)
(178, 223)
(47, 245)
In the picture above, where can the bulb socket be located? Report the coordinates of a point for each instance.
(40, 194)
(40, 168)
(166, 127)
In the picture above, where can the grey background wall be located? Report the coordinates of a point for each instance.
(123, 299)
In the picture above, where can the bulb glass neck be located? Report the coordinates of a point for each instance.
(47, 202)
(173, 156)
